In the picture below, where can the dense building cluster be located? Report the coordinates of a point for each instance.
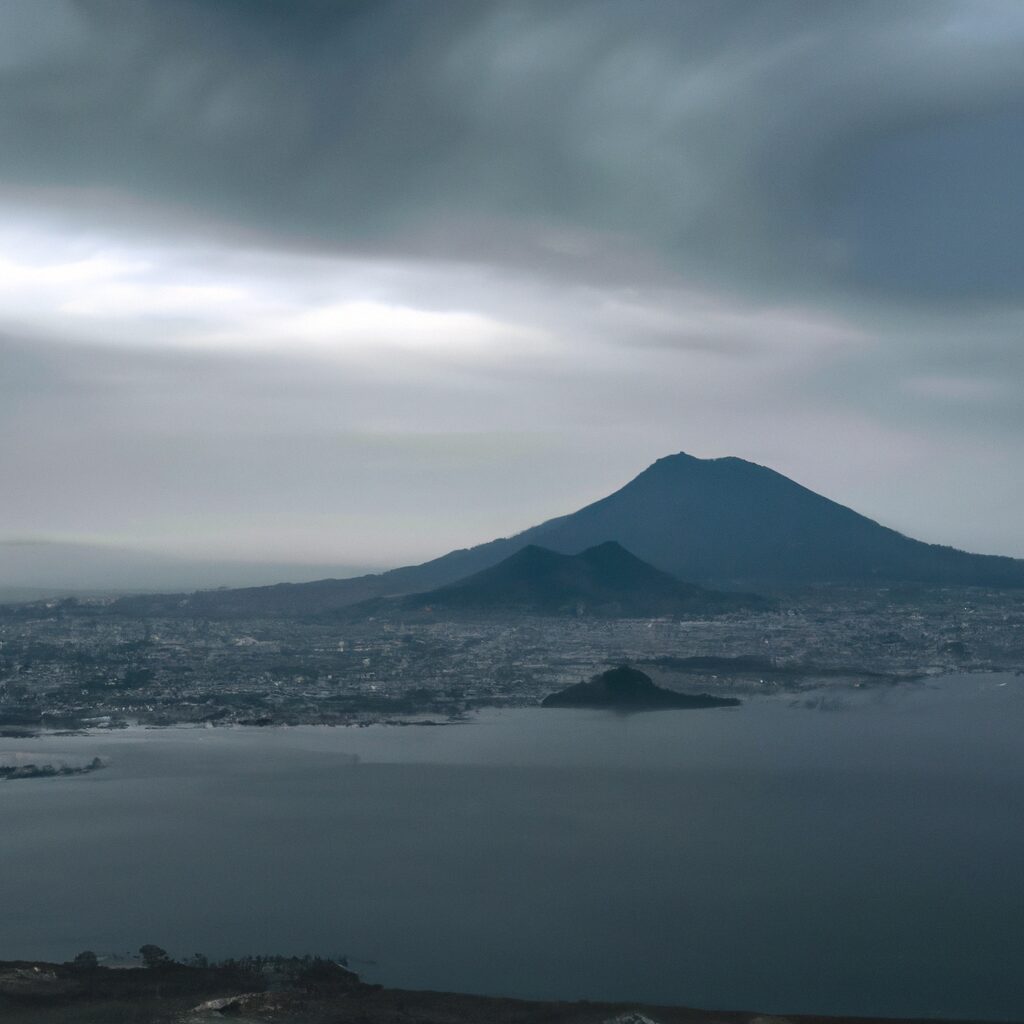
(70, 665)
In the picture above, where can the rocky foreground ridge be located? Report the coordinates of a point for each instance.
(300, 991)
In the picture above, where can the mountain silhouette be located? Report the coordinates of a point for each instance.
(732, 522)
(604, 581)
(723, 522)
(629, 689)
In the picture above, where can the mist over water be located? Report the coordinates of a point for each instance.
(851, 851)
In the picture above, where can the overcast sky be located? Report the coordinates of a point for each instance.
(362, 282)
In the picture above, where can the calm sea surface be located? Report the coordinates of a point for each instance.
(856, 853)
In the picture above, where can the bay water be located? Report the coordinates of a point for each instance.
(848, 850)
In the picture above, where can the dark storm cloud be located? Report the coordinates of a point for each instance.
(367, 281)
(769, 144)
(938, 209)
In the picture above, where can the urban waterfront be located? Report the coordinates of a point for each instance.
(849, 849)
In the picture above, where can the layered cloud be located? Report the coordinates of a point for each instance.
(366, 281)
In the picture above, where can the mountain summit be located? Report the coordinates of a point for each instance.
(726, 522)
(732, 522)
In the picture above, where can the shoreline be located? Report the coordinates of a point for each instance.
(842, 682)
(319, 991)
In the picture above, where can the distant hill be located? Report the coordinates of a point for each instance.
(628, 689)
(724, 522)
(604, 581)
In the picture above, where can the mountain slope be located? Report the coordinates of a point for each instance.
(729, 521)
(721, 521)
(605, 581)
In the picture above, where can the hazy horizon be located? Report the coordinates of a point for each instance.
(32, 568)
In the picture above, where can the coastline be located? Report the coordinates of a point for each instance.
(316, 991)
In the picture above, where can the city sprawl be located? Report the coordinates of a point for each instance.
(69, 664)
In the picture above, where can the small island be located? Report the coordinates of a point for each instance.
(629, 689)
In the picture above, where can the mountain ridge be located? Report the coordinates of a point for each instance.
(602, 581)
(722, 522)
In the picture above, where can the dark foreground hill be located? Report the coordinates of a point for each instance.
(604, 581)
(42, 993)
(628, 689)
(724, 522)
